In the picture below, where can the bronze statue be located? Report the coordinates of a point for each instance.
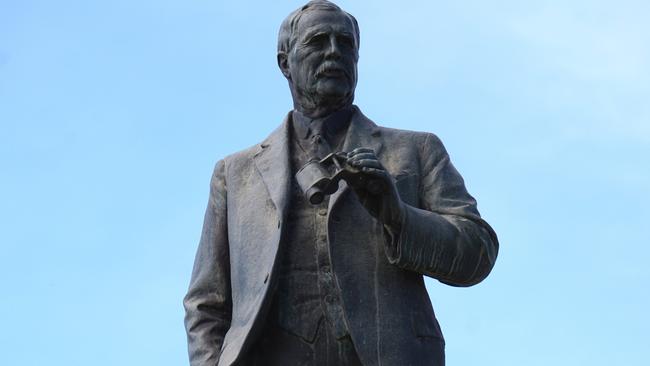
(315, 242)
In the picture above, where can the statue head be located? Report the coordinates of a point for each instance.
(318, 50)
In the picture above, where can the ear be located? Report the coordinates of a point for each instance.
(283, 64)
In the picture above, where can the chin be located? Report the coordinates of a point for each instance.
(333, 92)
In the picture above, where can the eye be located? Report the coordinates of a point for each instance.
(345, 41)
(317, 40)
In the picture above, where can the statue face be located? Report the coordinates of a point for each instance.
(322, 63)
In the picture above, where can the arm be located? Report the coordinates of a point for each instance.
(445, 237)
(208, 302)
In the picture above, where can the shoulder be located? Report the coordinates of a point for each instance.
(427, 143)
(243, 158)
(426, 147)
(416, 137)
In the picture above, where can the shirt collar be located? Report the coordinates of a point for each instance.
(332, 123)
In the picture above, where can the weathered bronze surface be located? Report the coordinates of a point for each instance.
(315, 242)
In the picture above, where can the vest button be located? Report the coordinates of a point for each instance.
(322, 212)
(329, 299)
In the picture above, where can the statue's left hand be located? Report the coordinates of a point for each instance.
(386, 206)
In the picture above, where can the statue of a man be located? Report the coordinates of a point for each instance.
(281, 279)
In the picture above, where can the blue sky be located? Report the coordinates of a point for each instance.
(113, 113)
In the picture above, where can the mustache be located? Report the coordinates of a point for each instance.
(330, 66)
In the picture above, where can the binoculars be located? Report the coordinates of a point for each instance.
(320, 178)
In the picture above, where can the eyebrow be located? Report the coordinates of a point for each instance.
(314, 31)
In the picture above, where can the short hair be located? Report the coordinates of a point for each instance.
(289, 25)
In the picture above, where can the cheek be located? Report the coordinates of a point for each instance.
(308, 68)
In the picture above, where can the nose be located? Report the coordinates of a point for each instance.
(333, 49)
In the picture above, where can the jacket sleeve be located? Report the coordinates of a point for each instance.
(208, 303)
(445, 237)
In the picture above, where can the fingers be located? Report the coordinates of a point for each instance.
(367, 163)
(364, 157)
(360, 150)
(361, 156)
(377, 172)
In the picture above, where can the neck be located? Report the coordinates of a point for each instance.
(318, 107)
(321, 110)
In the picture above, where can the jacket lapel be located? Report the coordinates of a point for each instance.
(361, 133)
(272, 162)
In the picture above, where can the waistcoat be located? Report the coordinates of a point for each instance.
(307, 291)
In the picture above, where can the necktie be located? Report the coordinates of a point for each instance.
(319, 146)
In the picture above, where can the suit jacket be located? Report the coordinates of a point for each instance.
(385, 302)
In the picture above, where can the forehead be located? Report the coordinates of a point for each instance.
(323, 20)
